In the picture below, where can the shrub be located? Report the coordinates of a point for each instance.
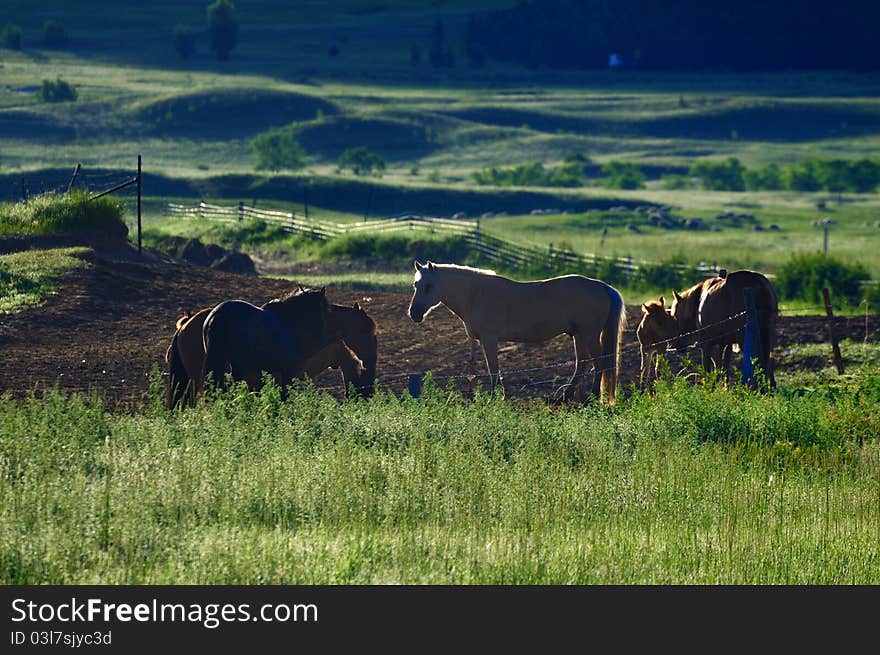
(672, 181)
(52, 213)
(399, 248)
(54, 35)
(277, 150)
(57, 91)
(673, 273)
(361, 161)
(184, 41)
(10, 37)
(622, 175)
(803, 276)
(720, 175)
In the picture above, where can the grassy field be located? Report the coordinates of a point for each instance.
(193, 120)
(691, 486)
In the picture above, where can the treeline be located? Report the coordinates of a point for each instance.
(834, 175)
(685, 35)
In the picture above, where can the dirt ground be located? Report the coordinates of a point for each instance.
(109, 324)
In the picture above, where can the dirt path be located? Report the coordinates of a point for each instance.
(109, 324)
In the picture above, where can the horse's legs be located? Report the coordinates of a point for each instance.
(726, 352)
(583, 352)
(250, 376)
(490, 352)
(645, 366)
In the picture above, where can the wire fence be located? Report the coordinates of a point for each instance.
(590, 361)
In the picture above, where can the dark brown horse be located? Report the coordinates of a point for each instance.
(355, 354)
(715, 308)
(276, 338)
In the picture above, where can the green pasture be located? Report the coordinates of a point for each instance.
(28, 278)
(692, 486)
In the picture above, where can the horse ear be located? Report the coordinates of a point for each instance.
(301, 290)
(356, 306)
(676, 295)
(662, 302)
(644, 309)
(323, 291)
(430, 266)
(416, 265)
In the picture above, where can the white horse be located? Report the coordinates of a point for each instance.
(494, 308)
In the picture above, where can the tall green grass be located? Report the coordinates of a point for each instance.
(54, 213)
(693, 485)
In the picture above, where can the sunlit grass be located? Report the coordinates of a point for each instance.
(27, 278)
(692, 486)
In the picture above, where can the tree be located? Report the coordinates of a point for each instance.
(184, 41)
(222, 28)
(720, 175)
(801, 176)
(10, 37)
(277, 150)
(361, 161)
(767, 177)
(833, 175)
(440, 55)
(623, 175)
(54, 35)
(864, 175)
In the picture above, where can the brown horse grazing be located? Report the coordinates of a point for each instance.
(708, 306)
(276, 338)
(185, 355)
(495, 308)
(655, 333)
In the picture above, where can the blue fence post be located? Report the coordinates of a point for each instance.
(414, 385)
(751, 339)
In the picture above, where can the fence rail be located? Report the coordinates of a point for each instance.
(495, 250)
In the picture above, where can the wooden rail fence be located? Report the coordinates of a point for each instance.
(494, 250)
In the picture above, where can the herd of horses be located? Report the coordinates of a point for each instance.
(303, 334)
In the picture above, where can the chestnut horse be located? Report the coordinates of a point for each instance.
(711, 314)
(656, 332)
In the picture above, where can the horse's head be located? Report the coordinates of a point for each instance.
(684, 311)
(426, 295)
(657, 324)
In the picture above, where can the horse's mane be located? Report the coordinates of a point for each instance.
(287, 305)
(696, 289)
(467, 269)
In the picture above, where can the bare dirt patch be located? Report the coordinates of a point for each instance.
(110, 324)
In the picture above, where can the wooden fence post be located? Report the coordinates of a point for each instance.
(835, 346)
(240, 211)
(139, 188)
(751, 339)
(414, 385)
(73, 178)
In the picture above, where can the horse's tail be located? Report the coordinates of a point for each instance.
(214, 335)
(179, 382)
(611, 338)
